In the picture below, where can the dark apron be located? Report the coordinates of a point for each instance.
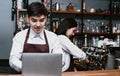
(71, 67)
(35, 48)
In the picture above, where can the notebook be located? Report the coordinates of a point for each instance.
(41, 64)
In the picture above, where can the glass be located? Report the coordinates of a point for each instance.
(91, 26)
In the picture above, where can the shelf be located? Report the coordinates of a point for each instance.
(96, 33)
(22, 10)
(86, 13)
(116, 15)
(56, 12)
(74, 12)
(65, 12)
(95, 13)
(115, 33)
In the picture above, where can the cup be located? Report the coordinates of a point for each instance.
(92, 10)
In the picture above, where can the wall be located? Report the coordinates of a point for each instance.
(6, 28)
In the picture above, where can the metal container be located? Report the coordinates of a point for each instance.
(57, 6)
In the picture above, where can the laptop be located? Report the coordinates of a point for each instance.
(41, 64)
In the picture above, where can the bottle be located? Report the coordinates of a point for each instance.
(54, 27)
(119, 7)
(25, 4)
(19, 4)
(114, 7)
(93, 41)
(84, 7)
(108, 27)
(70, 7)
(115, 28)
(118, 40)
(57, 6)
(85, 45)
(102, 27)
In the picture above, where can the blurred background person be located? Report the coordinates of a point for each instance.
(65, 31)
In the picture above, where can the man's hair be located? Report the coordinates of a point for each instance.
(37, 9)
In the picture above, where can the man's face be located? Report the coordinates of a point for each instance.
(37, 23)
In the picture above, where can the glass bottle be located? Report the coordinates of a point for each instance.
(70, 7)
(57, 6)
(84, 7)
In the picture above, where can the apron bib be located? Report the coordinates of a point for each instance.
(35, 48)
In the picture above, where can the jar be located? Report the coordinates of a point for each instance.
(70, 7)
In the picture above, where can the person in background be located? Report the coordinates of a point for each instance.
(65, 31)
(35, 39)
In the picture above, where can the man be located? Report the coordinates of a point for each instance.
(34, 39)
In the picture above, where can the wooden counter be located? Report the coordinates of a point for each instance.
(85, 73)
(94, 73)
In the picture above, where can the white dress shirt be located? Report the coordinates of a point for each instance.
(18, 45)
(70, 48)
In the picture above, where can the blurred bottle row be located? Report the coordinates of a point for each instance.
(116, 7)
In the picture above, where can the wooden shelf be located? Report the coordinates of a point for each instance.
(55, 12)
(96, 33)
(97, 13)
(74, 12)
(116, 15)
(86, 13)
(65, 12)
(115, 33)
(22, 10)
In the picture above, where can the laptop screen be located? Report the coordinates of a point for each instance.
(41, 64)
